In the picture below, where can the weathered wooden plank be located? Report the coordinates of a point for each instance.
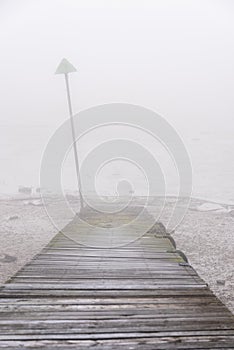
(182, 292)
(206, 298)
(131, 306)
(171, 343)
(71, 327)
(68, 330)
(220, 334)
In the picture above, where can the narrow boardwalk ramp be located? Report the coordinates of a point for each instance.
(142, 295)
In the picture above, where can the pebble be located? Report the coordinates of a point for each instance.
(210, 207)
(221, 282)
(13, 217)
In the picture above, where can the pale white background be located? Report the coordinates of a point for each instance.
(173, 56)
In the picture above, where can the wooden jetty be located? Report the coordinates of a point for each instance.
(142, 295)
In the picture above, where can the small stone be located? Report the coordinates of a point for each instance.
(221, 282)
(13, 217)
(36, 203)
(25, 190)
(158, 228)
(7, 258)
(210, 207)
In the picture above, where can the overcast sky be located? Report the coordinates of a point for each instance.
(175, 56)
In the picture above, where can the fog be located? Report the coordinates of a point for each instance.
(174, 57)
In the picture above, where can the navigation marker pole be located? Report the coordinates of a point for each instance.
(65, 68)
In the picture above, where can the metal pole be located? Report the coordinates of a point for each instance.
(74, 141)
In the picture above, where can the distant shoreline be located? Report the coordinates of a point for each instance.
(21, 197)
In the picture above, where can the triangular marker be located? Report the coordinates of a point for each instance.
(65, 67)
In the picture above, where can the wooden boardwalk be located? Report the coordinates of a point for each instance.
(143, 295)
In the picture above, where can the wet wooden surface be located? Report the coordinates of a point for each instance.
(141, 295)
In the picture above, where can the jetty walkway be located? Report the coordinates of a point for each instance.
(143, 295)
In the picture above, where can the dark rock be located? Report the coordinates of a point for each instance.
(158, 229)
(8, 259)
(221, 282)
(183, 256)
(13, 217)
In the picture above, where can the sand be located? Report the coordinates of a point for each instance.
(206, 237)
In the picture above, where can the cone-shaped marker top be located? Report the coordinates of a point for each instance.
(65, 67)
